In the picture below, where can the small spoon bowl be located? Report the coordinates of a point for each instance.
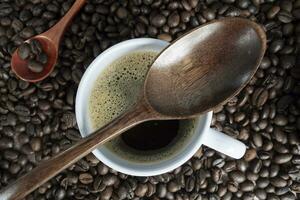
(19, 66)
(50, 42)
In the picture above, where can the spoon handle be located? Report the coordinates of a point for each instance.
(49, 168)
(56, 32)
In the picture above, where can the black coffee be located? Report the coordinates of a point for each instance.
(151, 135)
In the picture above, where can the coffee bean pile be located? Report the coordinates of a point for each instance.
(33, 53)
(37, 121)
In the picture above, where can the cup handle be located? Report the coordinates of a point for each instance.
(224, 144)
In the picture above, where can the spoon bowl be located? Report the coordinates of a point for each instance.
(205, 67)
(19, 66)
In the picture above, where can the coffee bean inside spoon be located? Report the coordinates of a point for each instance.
(199, 71)
(49, 41)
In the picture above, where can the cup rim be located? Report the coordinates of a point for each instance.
(183, 155)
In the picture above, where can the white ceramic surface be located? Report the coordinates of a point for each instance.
(203, 133)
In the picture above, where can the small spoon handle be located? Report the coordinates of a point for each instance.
(49, 168)
(55, 33)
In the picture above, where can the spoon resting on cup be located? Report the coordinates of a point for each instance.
(49, 41)
(199, 71)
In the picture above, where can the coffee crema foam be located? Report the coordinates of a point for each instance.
(118, 87)
(116, 90)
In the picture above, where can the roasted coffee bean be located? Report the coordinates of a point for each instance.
(35, 66)
(209, 14)
(161, 190)
(165, 37)
(273, 12)
(251, 176)
(122, 13)
(102, 169)
(106, 194)
(158, 20)
(237, 176)
(14, 168)
(218, 162)
(109, 180)
(141, 190)
(21, 139)
(42, 58)
(278, 182)
(285, 17)
(5, 9)
(259, 97)
(270, 189)
(173, 20)
(282, 158)
(274, 169)
(27, 32)
(151, 189)
(85, 178)
(276, 46)
(10, 154)
(281, 191)
(4, 164)
(273, 197)
(254, 117)
(262, 182)
(60, 193)
(238, 117)
(241, 165)
(36, 144)
(24, 51)
(257, 140)
(280, 148)
(22, 110)
(295, 187)
(190, 184)
(280, 120)
(232, 187)
(72, 178)
(73, 135)
(280, 136)
(173, 186)
(6, 143)
(35, 46)
(288, 196)
(256, 166)
(247, 186)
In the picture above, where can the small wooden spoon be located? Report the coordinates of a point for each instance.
(197, 72)
(50, 42)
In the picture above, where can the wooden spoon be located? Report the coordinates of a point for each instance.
(50, 42)
(196, 73)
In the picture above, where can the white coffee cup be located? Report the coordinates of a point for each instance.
(203, 134)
